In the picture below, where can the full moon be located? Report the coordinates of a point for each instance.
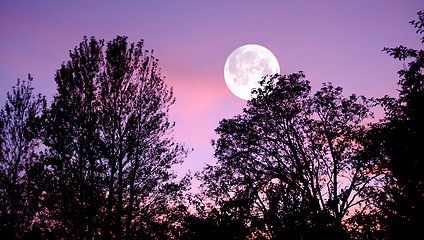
(246, 66)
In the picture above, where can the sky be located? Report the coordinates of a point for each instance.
(330, 41)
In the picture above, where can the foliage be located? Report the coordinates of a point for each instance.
(398, 141)
(290, 166)
(109, 151)
(20, 164)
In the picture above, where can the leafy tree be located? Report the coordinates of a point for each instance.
(135, 104)
(398, 140)
(291, 165)
(20, 165)
(74, 195)
(110, 150)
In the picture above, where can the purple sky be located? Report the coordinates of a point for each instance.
(336, 41)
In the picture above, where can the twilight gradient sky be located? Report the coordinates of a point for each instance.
(336, 41)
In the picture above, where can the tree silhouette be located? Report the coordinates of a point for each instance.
(74, 195)
(135, 102)
(398, 141)
(20, 165)
(108, 138)
(291, 165)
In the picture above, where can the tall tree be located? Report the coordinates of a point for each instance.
(398, 141)
(110, 144)
(134, 103)
(72, 135)
(290, 165)
(20, 166)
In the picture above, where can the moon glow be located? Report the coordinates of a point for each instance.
(246, 66)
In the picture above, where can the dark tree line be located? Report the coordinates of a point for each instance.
(105, 153)
(290, 166)
(398, 142)
(96, 163)
(299, 166)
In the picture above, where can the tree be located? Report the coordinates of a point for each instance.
(135, 103)
(110, 150)
(74, 195)
(291, 165)
(20, 165)
(397, 143)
